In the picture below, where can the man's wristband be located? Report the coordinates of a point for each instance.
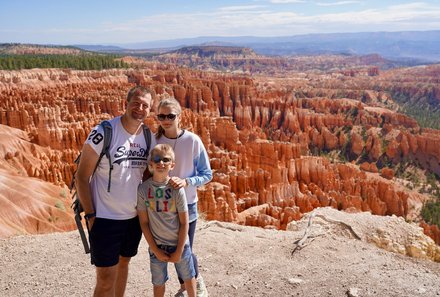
(88, 216)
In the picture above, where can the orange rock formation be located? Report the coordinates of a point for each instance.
(259, 132)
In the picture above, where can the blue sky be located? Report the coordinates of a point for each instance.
(129, 21)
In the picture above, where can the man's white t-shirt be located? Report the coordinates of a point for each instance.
(128, 154)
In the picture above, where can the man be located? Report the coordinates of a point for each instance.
(109, 194)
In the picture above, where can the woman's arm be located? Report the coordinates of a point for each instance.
(203, 173)
(203, 170)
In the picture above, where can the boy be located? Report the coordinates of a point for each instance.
(163, 216)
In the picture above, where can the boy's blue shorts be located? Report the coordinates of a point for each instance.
(159, 269)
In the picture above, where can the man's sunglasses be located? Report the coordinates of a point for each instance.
(165, 160)
(162, 117)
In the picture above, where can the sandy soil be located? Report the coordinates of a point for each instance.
(235, 261)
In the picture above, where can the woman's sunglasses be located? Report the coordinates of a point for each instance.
(165, 160)
(162, 117)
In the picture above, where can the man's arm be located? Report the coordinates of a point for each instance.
(145, 226)
(85, 170)
(183, 233)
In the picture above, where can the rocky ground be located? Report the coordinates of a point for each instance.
(337, 260)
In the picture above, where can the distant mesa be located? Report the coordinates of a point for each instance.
(215, 51)
(409, 46)
(100, 48)
(37, 49)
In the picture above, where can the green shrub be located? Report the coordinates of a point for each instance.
(63, 193)
(431, 213)
(60, 205)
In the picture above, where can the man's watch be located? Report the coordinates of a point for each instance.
(88, 216)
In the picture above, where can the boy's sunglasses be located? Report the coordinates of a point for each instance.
(162, 117)
(165, 160)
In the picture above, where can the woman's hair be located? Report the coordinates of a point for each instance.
(174, 105)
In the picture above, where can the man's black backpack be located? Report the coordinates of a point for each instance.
(76, 205)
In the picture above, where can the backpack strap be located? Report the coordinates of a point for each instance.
(106, 149)
(147, 135)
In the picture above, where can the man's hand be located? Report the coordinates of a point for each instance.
(90, 223)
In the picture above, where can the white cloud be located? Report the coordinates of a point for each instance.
(254, 20)
(393, 15)
(248, 20)
(286, 1)
(338, 3)
(240, 8)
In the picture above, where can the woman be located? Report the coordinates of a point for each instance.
(192, 168)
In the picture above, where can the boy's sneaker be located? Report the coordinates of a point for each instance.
(201, 288)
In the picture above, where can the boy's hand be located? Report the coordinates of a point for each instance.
(161, 255)
(175, 257)
(177, 182)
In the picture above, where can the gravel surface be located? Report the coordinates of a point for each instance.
(234, 261)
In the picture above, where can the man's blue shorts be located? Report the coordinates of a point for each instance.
(184, 268)
(110, 239)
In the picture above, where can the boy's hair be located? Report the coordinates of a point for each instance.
(174, 105)
(162, 149)
(138, 91)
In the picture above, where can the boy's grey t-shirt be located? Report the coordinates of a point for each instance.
(162, 203)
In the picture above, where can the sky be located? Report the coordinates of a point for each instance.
(105, 22)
